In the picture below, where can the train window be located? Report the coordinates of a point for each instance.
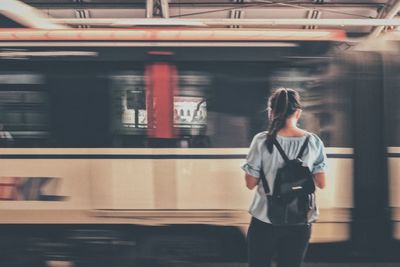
(187, 104)
(326, 98)
(190, 98)
(132, 93)
(224, 105)
(325, 119)
(128, 103)
(236, 97)
(79, 103)
(23, 109)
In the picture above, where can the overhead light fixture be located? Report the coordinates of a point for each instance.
(27, 16)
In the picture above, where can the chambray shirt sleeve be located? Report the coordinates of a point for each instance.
(320, 163)
(253, 159)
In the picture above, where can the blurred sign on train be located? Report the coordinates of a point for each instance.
(190, 112)
(30, 188)
(134, 110)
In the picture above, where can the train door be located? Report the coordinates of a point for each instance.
(370, 231)
(392, 142)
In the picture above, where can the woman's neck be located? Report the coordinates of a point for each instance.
(291, 131)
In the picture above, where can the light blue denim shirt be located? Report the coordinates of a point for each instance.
(314, 158)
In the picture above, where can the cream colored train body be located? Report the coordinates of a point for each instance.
(182, 186)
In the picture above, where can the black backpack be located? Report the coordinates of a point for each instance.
(293, 199)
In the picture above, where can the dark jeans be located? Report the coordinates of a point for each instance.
(289, 243)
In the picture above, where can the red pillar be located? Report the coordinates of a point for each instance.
(160, 87)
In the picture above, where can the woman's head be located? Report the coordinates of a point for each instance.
(283, 104)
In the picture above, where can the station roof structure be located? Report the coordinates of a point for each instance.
(359, 18)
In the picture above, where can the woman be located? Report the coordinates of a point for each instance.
(289, 242)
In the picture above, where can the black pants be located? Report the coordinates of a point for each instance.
(288, 243)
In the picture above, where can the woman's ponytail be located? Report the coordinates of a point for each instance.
(282, 103)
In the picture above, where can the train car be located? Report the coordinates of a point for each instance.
(124, 146)
(389, 44)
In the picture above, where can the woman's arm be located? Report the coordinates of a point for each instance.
(251, 181)
(320, 179)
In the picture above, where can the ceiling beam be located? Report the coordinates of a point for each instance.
(149, 8)
(82, 14)
(198, 4)
(164, 8)
(236, 13)
(157, 8)
(313, 14)
(227, 22)
(389, 14)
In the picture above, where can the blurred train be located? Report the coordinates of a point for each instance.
(124, 146)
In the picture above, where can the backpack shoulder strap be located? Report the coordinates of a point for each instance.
(264, 181)
(263, 178)
(278, 146)
(303, 148)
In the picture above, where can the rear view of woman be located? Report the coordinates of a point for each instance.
(287, 241)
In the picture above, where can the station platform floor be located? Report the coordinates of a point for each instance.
(306, 264)
(314, 264)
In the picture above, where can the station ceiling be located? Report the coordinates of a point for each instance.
(227, 9)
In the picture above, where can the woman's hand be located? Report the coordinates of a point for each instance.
(251, 181)
(320, 179)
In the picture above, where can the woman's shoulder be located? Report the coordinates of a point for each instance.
(261, 135)
(315, 139)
